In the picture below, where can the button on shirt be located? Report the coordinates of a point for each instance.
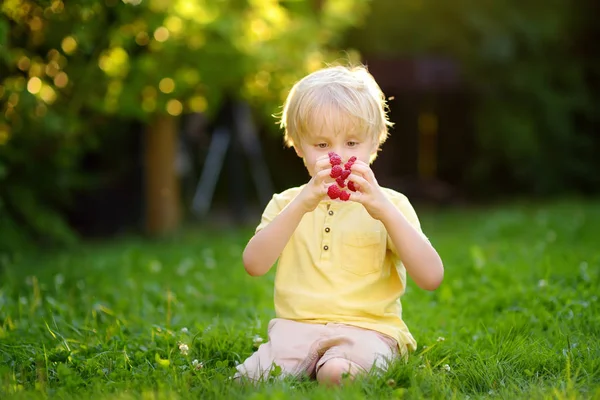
(341, 266)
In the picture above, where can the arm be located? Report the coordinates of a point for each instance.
(264, 248)
(420, 259)
(266, 245)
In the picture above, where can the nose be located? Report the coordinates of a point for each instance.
(340, 151)
(344, 154)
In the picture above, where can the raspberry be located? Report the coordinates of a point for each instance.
(334, 159)
(351, 186)
(345, 174)
(333, 191)
(350, 162)
(340, 181)
(336, 171)
(344, 196)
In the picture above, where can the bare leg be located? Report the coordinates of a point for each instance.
(333, 371)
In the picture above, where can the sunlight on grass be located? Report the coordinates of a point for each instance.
(516, 317)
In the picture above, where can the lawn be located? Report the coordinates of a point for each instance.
(516, 317)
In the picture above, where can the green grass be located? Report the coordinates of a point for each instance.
(518, 313)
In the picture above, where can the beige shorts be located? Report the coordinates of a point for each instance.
(301, 349)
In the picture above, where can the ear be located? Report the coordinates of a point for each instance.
(374, 150)
(298, 151)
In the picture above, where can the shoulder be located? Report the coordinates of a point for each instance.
(276, 204)
(395, 197)
(280, 200)
(289, 194)
(401, 202)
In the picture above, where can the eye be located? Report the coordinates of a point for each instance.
(352, 144)
(322, 145)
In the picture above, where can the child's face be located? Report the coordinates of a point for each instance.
(346, 144)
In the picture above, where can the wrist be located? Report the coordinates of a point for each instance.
(388, 212)
(301, 205)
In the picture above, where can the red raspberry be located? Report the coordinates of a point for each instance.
(345, 174)
(334, 159)
(336, 171)
(344, 196)
(340, 181)
(333, 191)
(351, 186)
(350, 162)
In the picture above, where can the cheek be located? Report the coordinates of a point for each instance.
(310, 157)
(366, 158)
(310, 165)
(309, 162)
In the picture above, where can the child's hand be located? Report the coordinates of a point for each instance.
(316, 189)
(368, 192)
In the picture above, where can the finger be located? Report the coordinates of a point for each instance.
(363, 170)
(321, 190)
(323, 176)
(322, 163)
(363, 184)
(357, 197)
(361, 164)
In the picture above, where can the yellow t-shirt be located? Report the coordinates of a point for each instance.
(341, 266)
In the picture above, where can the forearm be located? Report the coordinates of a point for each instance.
(420, 259)
(266, 246)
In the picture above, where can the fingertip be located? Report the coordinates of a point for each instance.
(356, 178)
(354, 196)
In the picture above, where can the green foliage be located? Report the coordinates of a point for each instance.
(65, 67)
(516, 317)
(525, 65)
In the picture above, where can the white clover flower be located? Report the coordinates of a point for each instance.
(257, 340)
(197, 364)
(184, 330)
(184, 349)
(542, 283)
(446, 367)
(441, 339)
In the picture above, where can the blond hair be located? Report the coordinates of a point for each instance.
(338, 98)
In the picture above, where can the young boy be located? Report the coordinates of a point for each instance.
(342, 264)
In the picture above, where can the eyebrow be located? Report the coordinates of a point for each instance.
(318, 138)
(351, 137)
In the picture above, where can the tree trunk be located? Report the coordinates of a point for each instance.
(161, 185)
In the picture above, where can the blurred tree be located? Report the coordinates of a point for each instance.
(531, 84)
(66, 68)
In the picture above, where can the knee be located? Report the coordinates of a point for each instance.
(335, 370)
